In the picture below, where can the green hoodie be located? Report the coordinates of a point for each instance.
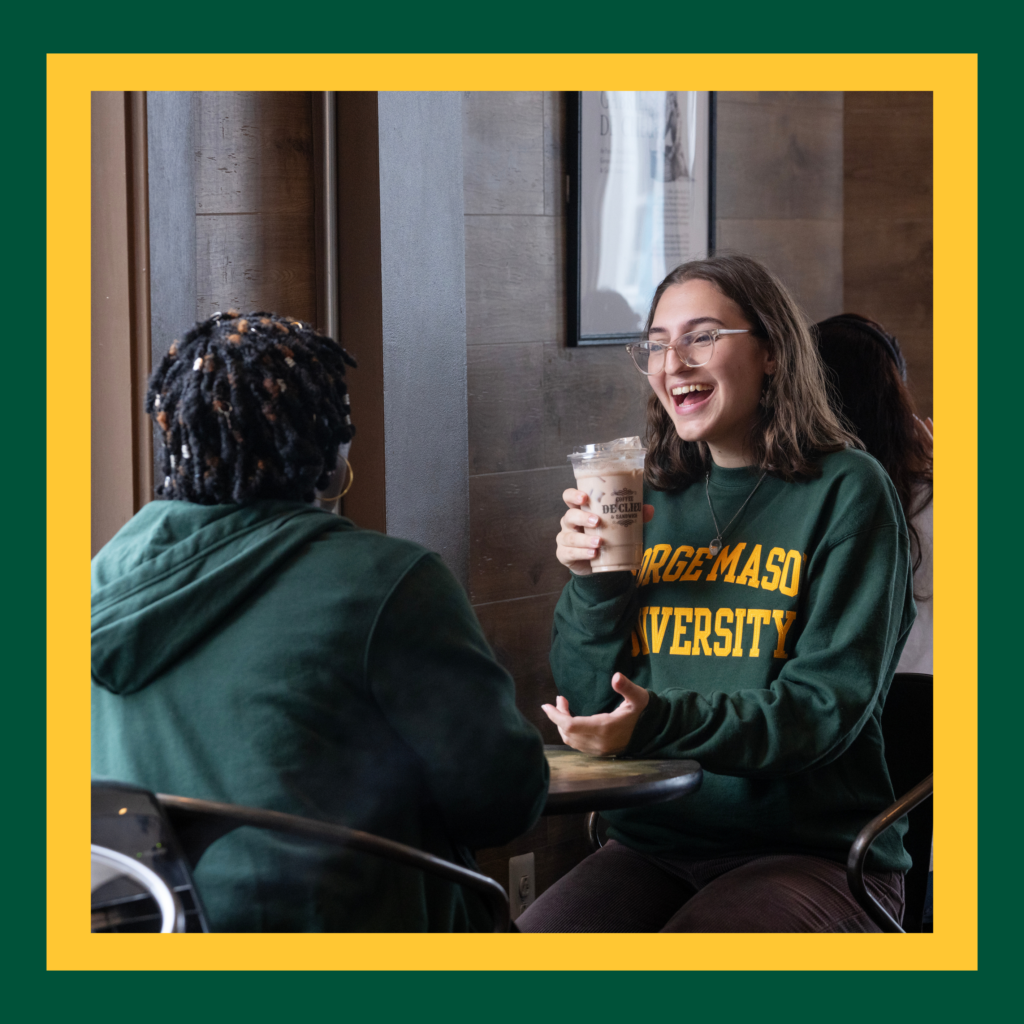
(769, 664)
(277, 656)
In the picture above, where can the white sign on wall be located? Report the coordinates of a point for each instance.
(642, 195)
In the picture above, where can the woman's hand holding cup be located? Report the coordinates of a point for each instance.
(573, 548)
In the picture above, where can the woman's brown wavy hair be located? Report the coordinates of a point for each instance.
(795, 422)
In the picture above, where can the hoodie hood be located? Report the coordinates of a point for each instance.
(174, 571)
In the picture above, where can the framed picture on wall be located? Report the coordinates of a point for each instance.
(640, 203)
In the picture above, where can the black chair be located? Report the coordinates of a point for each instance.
(907, 734)
(111, 869)
(188, 827)
(128, 821)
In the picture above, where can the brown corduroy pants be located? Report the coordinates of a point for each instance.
(620, 890)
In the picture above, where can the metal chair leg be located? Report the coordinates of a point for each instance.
(859, 853)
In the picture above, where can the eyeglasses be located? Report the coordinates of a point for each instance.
(693, 349)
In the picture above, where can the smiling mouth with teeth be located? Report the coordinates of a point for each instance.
(690, 395)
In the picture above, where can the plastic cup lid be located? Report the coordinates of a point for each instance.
(620, 446)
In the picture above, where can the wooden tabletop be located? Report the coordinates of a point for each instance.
(580, 782)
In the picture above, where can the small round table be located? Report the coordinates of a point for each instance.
(580, 782)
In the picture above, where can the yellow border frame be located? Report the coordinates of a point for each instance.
(952, 79)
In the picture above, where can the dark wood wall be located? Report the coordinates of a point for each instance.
(254, 185)
(779, 189)
(887, 218)
(531, 400)
(122, 463)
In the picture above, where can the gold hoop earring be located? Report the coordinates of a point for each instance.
(347, 487)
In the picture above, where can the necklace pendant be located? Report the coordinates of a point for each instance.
(715, 546)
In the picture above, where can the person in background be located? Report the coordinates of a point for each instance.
(869, 375)
(759, 636)
(253, 648)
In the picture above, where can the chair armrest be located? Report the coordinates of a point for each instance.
(859, 852)
(199, 823)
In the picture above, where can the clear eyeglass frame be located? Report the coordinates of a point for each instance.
(692, 350)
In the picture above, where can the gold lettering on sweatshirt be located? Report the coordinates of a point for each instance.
(752, 569)
(737, 650)
(659, 556)
(792, 560)
(642, 631)
(717, 633)
(722, 649)
(694, 568)
(701, 629)
(663, 564)
(774, 565)
(641, 573)
(679, 629)
(757, 617)
(726, 560)
(677, 563)
(783, 628)
(658, 632)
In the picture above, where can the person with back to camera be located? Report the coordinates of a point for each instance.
(870, 374)
(253, 648)
(759, 637)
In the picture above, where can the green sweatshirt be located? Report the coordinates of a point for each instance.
(769, 664)
(276, 656)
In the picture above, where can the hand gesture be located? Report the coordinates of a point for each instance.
(601, 734)
(574, 548)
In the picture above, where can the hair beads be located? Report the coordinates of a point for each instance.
(236, 395)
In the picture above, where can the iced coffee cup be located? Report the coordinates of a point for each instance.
(612, 476)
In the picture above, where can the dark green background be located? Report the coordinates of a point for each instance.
(246, 33)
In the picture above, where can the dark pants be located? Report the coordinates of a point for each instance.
(620, 890)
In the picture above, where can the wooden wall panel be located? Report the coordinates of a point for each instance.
(514, 519)
(806, 254)
(254, 181)
(255, 153)
(530, 401)
(258, 261)
(360, 302)
(887, 211)
(514, 270)
(590, 394)
(779, 189)
(520, 635)
(122, 460)
(503, 152)
(779, 156)
(172, 221)
(112, 487)
(506, 400)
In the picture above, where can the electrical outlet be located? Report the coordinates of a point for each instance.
(522, 885)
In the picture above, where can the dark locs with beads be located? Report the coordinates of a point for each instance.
(249, 407)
